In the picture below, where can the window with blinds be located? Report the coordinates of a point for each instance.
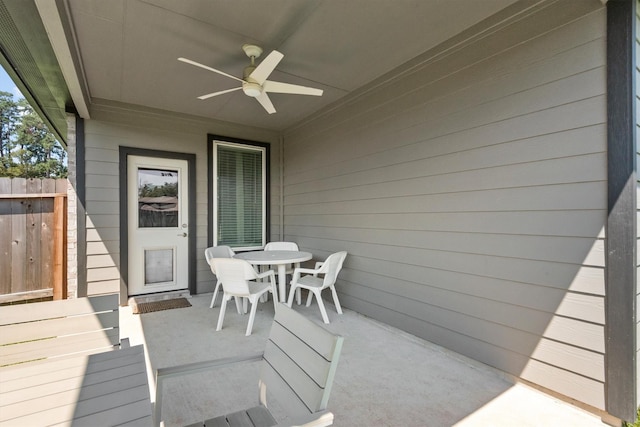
(239, 195)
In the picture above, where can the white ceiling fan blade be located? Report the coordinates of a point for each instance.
(266, 67)
(211, 95)
(264, 100)
(197, 64)
(279, 87)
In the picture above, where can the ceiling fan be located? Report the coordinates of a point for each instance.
(254, 81)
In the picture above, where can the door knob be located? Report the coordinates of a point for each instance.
(183, 234)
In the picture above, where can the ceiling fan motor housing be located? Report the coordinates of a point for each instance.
(252, 89)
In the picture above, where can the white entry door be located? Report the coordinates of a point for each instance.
(157, 217)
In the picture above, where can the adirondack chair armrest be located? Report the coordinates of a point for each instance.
(191, 368)
(318, 419)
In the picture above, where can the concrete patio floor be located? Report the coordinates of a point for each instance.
(385, 377)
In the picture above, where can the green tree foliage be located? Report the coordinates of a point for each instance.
(168, 189)
(9, 117)
(636, 424)
(27, 148)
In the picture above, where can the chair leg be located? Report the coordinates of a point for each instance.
(291, 293)
(252, 315)
(223, 308)
(239, 305)
(323, 311)
(309, 298)
(264, 297)
(335, 299)
(298, 291)
(215, 294)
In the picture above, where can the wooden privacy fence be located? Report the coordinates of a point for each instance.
(33, 239)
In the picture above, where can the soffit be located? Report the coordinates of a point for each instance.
(29, 59)
(129, 48)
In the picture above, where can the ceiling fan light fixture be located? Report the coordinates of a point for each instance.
(251, 89)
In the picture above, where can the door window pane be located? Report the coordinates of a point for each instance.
(157, 198)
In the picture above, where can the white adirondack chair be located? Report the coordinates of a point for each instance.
(330, 269)
(297, 369)
(238, 280)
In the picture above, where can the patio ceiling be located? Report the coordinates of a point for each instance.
(128, 49)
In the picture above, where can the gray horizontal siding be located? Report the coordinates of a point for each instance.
(113, 125)
(471, 196)
(405, 243)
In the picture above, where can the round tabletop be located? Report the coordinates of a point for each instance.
(274, 257)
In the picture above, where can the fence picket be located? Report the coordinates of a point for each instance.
(18, 237)
(5, 239)
(33, 228)
(47, 233)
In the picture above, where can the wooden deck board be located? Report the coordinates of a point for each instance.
(103, 389)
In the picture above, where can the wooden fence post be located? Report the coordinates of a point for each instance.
(59, 245)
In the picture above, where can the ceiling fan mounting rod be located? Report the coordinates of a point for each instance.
(252, 51)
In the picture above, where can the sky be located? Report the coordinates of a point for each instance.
(7, 85)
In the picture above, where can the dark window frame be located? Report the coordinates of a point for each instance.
(211, 138)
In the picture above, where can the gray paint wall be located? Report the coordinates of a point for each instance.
(470, 192)
(637, 87)
(114, 125)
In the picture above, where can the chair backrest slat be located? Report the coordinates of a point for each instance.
(313, 363)
(274, 387)
(315, 336)
(307, 390)
(303, 356)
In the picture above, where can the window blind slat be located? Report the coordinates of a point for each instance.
(239, 192)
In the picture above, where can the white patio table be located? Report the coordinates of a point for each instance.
(279, 259)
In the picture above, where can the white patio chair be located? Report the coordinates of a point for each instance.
(286, 246)
(298, 367)
(238, 280)
(220, 252)
(314, 284)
